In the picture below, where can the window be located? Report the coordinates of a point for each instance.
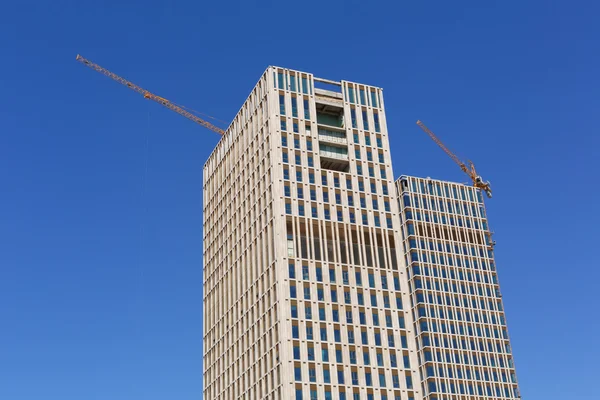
(281, 104)
(310, 161)
(374, 99)
(382, 380)
(321, 314)
(295, 332)
(288, 208)
(294, 310)
(312, 376)
(376, 120)
(296, 352)
(365, 119)
(293, 292)
(326, 376)
(296, 143)
(306, 109)
(286, 190)
(298, 373)
(350, 334)
(294, 107)
(299, 176)
(309, 145)
(348, 183)
(283, 125)
(337, 336)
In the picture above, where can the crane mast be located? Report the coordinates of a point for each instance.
(470, 170)
(148, 95)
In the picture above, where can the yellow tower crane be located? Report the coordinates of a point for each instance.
(160, 100)
(470, 170)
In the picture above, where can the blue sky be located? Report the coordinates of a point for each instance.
(101, 205)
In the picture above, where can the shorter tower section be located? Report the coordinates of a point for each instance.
(463, 345)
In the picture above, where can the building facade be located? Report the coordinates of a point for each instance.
(305, 285)
(463, 345)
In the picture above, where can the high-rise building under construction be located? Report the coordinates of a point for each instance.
(306, 282)
(464, 349)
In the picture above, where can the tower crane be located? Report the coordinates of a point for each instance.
(470, 170)
(160, 100)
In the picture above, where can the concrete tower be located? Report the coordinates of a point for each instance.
(306, 290)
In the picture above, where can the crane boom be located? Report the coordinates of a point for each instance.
(160, 100)
(443, 147)
(477, 181)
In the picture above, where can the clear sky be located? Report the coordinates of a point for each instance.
(101, 204)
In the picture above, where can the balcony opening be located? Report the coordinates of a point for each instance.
(334, 157)
(329, 113)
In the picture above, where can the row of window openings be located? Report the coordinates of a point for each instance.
(454, 343)
(459, 372)
(453, 358)
(340, 216)
(311, 180)
(460, 262)
(508, 391)
(360, 297)
(447, 248)
(313, 395)
(448, 206)
(312, 377)
(449, 191)
(353, 359)
(455, 301)
(318, 273)
(350, 320)
(474, 290)
(425, 256)
(336, 181)
(470, 330)
(292, 82)
(359, 166)
(306, 106)
(337, 196)
(362, 97)
(362, 316)
(437, 218)
(356, 138)
(494, 305)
